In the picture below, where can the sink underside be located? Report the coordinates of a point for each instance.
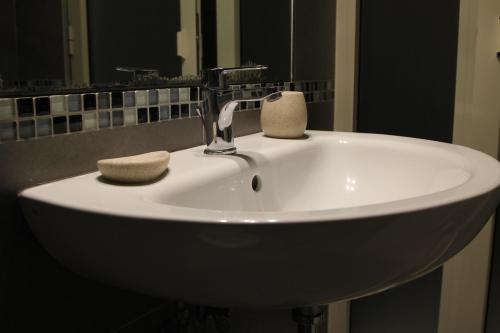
(335, 216)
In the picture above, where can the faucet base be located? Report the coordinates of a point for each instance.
(227, 151)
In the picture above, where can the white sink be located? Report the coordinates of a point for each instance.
(337, 216)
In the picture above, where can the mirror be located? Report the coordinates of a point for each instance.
(74, 44)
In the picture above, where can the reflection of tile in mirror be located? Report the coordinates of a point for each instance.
(74, 103)
(43, 127)
(8, 131)
(57, 105)
(89, 121)
(153, 114)
(142, 115)
(192, 110)
(42, 106)
(89, 102)
(184, 94)
(128, 98)
(27, 129)
(7, 109)
(164, 96)
(59, 124)
(141, 97)
(194, 92)
(174, 95)
(117, 118)
(117, 99)
(24, 107)
(164, 112)
(153, 96)
(104, 120)
(103, 101)
(130, 116)
(75, 123)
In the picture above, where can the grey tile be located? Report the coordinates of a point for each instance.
(103, 100)
(174, 95)
(128, 99)
(43, 127)
(27, 129)
(164, 112)
(117, 118)
(104, 119)
(153, 97)
(8, 131)
(74, 103)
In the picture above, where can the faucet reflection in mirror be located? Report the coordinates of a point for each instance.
(219, 103)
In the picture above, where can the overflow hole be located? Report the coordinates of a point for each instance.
(256, 183)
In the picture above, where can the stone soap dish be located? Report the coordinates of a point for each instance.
(136, 168)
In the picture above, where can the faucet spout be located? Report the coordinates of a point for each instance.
(218, 106)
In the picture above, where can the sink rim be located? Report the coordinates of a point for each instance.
(132, 202)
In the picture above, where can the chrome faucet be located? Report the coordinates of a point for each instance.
(218, 104)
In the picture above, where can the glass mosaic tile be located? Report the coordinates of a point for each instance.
(57, 105)
(42, 106)
(117, 118)
(89, 102)
(8, 131)
(90, 121)
(104, 119)
(130, 116)
(60, 125)
(103, 100)
(74, 103)
(43, 127)
(7, 109)
(27, 129)
(25, 107)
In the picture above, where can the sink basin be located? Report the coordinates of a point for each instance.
(283, 223)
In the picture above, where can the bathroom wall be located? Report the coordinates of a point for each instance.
(407, 70)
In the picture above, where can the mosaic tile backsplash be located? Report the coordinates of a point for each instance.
(35, 117)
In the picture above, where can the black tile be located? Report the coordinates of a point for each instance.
(243, 105)
(185, 110)
(27, 129)
(89, 102)
(154, 114)
(42, 106)
(117, 99)
(174, 111)
(142, 115)
(257, 104)
(194, 94)
(59, 125)
(75, 123)
(25, 107)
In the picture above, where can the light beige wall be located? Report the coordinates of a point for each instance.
(186, 38)
(344, 112)
(476, 124)
(78, 48)
(228, 33)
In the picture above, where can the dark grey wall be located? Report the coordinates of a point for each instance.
(132, 34)
(265, 36)
(37, 294)
(407, 66)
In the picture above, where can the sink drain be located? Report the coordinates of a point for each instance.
(256, 183)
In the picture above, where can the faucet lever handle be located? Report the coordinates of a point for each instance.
(218, 78)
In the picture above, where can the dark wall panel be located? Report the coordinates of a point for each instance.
(265, 36)
(407, 69)
(132, 34)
